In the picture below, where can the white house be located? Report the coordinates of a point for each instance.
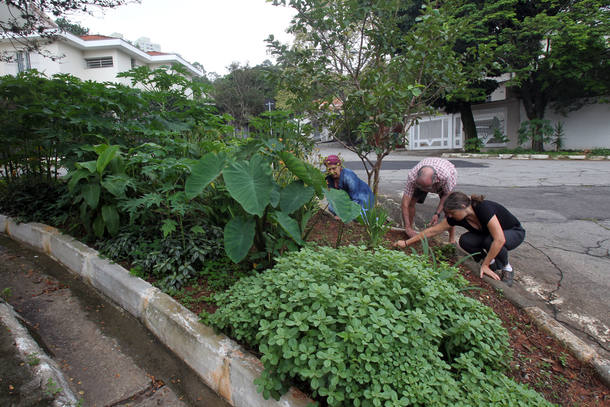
(502, 114)
(89, 57)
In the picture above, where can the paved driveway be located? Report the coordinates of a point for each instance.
(564, 264)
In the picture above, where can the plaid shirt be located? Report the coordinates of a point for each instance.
(444, 180)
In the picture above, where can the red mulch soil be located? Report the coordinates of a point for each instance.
(538, 360)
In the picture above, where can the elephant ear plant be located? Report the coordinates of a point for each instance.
(273, 193)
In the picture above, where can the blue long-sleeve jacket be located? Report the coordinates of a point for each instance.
(357, 189)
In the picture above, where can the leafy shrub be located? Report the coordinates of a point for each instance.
(600, 151)
(30, 199)
(172, 261)
(537, 130)
(473, 145)
(371, 329)
(272, 196)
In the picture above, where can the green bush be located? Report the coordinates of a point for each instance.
(600, 151)
(369, 328)
(171, 261)
(30, 199)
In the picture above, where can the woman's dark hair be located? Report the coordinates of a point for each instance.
(459, 200)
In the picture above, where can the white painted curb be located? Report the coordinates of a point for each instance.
(525, 156)
(220, 362)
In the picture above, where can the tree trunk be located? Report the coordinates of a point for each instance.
(534, 102)
(470, 128)
(376, 172)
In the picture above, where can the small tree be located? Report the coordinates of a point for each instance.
(352, 62)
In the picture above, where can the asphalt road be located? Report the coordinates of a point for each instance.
(564, 265)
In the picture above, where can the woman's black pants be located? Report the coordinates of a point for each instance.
(478, 243)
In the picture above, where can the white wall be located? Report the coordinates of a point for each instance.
(73, 61)
(586, 128)
(37, 61)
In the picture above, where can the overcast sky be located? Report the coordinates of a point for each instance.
(212, 32)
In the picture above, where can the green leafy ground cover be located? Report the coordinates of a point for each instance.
(371, 328)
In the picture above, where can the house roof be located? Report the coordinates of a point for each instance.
(96, 37)
(102, 42)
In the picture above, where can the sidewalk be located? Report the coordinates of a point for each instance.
(91, 353)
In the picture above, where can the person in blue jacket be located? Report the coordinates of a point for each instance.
(347, 180)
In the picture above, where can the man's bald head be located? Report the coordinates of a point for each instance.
(425, 177)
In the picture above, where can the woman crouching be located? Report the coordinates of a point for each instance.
(492, 232)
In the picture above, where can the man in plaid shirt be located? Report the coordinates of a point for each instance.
(435, 175)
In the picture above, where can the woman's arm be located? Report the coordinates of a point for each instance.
(495, 229)
(429, 232)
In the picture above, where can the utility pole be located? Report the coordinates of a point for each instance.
(269, 103)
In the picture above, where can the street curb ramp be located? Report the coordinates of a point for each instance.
(220, 362)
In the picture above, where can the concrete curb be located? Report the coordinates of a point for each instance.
(578, 348)
(46, 370)
(221, 363)
(526, 156)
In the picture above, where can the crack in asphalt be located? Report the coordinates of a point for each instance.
(551, 297)
(587, 250)
(599, 247)
(551, 294)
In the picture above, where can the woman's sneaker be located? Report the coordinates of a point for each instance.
(508, 275)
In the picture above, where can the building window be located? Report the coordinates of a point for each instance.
(102, 62)
(23, 61)
(133, 63)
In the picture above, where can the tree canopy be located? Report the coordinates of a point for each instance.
(245, 91)
(25, 22)
(72, 28)
(353, 63)
(556, 51)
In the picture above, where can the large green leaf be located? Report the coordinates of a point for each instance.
(89, 165)
(275, 195)
(295, 196)
(111, 218)
(98, 226)
(76, 176)
(105, 157)
(91, 193)
(289, 225)
(238, 237)
(203, 172)
(306, 172)
(344, 207)
(250, 184)
(116, 184)
(274, 144)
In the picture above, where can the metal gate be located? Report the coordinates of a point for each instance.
(436, 133)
